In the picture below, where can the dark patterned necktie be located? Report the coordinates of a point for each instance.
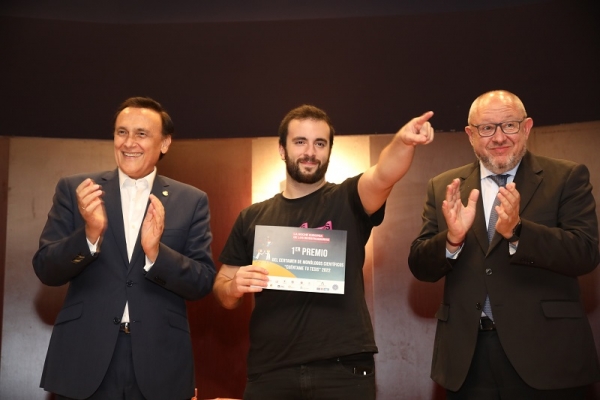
(501, 182)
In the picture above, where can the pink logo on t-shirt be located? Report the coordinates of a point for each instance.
(328, 226)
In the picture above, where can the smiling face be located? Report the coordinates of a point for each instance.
(307, 150)
(138, 141)
(500, 152)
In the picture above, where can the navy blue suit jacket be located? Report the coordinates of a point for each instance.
(86, 329)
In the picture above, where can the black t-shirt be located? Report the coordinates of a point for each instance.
(291, 328)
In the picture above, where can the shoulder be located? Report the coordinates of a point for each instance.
(173, 184)
(348, 184)
(462, 172)
(554, 168)
(262, 205)
(549, 162)
(75, 180)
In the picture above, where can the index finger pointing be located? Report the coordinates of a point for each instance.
(420, 121)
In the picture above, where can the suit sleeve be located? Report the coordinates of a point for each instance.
(184, 264)
(63, 251)
(427, 259)
(564, 239)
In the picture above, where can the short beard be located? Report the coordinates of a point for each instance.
(293, 170)
(498, 168)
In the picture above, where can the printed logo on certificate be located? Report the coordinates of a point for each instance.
(301, 259)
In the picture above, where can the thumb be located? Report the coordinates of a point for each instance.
(473, 196)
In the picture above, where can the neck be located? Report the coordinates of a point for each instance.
(294, 189)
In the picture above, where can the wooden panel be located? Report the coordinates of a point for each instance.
(221, 168)
(30, 308)
(404, 307)
(4, 148)
(580, 143)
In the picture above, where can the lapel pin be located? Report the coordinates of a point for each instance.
(165, 193)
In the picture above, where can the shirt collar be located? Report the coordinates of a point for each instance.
(148, 178)
(484, 172)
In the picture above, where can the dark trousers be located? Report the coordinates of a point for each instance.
(119, 383)
(492, 377)
(347, 378)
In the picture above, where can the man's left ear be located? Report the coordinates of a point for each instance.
(166, 142)
(282, 152)
(528, 124)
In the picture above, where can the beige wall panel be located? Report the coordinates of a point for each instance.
(236, 173)
(4, 156)
(349, 157)
(404, 307)
(30, 308)
(268, 170)
(580, 143)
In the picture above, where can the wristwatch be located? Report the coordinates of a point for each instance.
(515, 233)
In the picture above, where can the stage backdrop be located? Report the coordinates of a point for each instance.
(234, 173)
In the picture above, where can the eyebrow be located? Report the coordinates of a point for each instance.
(132, 130)
(306, 139)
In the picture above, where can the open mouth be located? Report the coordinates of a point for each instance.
(131, 154)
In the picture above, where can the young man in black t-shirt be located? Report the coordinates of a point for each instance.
(314, 345)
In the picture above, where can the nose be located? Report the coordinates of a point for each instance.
(310, 151)
(129, 140)
(499, 135)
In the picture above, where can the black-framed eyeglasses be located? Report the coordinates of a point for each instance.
(508, 127)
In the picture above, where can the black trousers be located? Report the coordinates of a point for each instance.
(492, 377)
(119, 383)
(348, 378)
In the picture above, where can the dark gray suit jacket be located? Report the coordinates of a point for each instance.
(86, 329)
(534, 293)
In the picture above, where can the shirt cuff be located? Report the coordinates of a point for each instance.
(454, 255)
(93, 246)
(148, 265)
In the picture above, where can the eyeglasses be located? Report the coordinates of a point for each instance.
(508, 127)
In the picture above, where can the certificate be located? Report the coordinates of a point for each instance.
(301, 259)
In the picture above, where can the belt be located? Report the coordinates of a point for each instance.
(124, 327)
(486, 324)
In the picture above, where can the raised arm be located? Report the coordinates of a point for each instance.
(377, 182)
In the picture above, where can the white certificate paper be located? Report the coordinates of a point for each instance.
(301, 259)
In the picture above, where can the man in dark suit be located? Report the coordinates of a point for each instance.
(133, 247)
(511, 324)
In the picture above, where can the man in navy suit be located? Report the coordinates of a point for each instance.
(511, 324)
(133, 247)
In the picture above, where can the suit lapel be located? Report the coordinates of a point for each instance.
(528, 179)
(160, 190)
(114, 211)
(472, 180)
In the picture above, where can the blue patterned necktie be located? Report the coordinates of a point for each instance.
(501, 182)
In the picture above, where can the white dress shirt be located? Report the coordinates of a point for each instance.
(489, 191)
(134, 200)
